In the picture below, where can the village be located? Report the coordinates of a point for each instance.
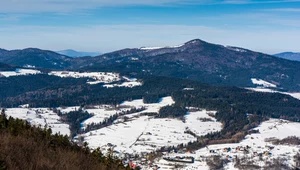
(142, 141)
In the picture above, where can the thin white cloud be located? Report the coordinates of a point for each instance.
(284, 10)
(258, 1)
(113, 37)
(22, 6)
(32, 6)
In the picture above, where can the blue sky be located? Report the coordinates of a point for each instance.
(268, 26)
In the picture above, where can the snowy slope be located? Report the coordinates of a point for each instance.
(156, 48)
(295, 95)
(144, 134)
(42, 117)
(262, 83)
(98, 77)
(19, 72)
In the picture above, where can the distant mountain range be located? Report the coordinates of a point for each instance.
(289, 56)
(34, 57)
(195, 60)
(73, 53)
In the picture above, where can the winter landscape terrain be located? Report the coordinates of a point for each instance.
(135, 135)
(150, 85)
(154, 122)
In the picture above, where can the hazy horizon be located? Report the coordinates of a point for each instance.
(103, 26)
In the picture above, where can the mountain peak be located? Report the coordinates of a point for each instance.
(32, 49)
(194, 41)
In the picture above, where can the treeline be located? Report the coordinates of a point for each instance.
(109, 121)
(79, 93)
(154, 98)
(26, 147)
(74, 119)
(18, 85)
(291, 140)
(172, 112)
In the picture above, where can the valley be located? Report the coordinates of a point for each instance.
(149, 85)
(151, 116)
(134, 132)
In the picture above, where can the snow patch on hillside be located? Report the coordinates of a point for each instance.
(98, 77)
(295, 95)
(65, 110)
(19, 72)
(236, 49)
(200, 123)
(156, 48)
(266, 90)
(150, 107)
(42, 117)
(101, 113)
(262, 83)
(124, 84)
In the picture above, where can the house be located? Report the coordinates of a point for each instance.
(148, 133)
(226, 149)
(267, 153)
(132, 165)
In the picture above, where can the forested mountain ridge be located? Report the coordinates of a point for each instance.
(195, 60)
(34, 57)
(201, 61)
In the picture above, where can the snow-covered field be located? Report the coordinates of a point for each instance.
(40, 117)
(150, 107)
(125, 84)
(196, 125)
(19, 72)
(262, 83)
(97, 77)
(254, 147)
(93, 77)
(65, 110)
(101, 113)
(144, 134)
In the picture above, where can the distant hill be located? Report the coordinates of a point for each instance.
(201, 61)
(73, 53)
(289, 56)
(33, 57)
